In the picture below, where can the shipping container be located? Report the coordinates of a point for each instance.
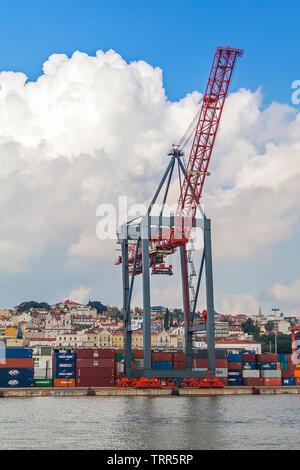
(271, 374)
(272, 382)
(287, 374)
(248, 357)
(178, 357)
(288, 382)
(64, 357)
(95, 353)
(251, 374)
(65, 374)
(95, 382)
(236, 357)
(235, 381)
(235, 373)
(163, 365)
(235, 365)
(266, 357)
(202, 354)
(253, 381)
(95, 363)
(119, 357)
(162, 357)
(179, 365)
(16, 383)
(297, 373)
(16, 353)
(297, 381)
(43, 383)
(267, 365)
(16, 373)
(6, 363)
(221, 372)
(138, 353)
(64, 383)
(249, 366)
(95, 372)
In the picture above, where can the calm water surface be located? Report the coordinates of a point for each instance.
(159, 423)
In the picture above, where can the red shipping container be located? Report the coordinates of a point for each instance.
(6, 363)
(200, 363)
(224, 380)
(64, 383)
(287, 374)
(249, 358)
(95, 353)
(272, 382)
(95, 363)
(266, 357)
(235, 365)
(222, 364)
(179, 365)
(162, 357)
(95, 372)
(297, 381)
(95, 382)
(138, 354)
(291, 367)
(178, 357)
(253, 382)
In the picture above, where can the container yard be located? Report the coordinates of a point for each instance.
(100, 372)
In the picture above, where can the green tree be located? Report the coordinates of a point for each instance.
(270, 326)
(167, 319)
(26, 306)
(98, 306)
(251, 329)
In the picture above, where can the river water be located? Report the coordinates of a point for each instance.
(158, 423)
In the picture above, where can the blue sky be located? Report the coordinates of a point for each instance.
(180, 36)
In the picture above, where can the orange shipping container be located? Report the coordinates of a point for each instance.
(6, 363)
(274, 382)
(297, 373)
(64, 383)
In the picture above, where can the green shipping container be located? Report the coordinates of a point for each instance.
(120, 357)
(43, 382)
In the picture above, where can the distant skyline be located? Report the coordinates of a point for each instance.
(93, 93)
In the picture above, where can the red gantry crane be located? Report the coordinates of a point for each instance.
(147, 241)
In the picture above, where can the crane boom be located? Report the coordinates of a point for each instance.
(204, 139)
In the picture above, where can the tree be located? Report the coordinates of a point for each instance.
(26, 306)
(270, 326)
(284, 343)
(98, 306)
(251, 329)
(167, 319)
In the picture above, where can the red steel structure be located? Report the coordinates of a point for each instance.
(166, 242)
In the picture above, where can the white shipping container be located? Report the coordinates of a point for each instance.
(251, 374)
(221, 372)
(271, 374)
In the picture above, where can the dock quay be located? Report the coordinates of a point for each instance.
(115, 391)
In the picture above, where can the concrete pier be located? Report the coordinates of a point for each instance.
(114, 391)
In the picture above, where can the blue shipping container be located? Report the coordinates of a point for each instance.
(249, 365)
(235, 373)
(162, 365)
(267, 365)
(234, 358)
(288, 382)
(16, 353)
(16, 373)
(16, 383)
(65, 374)
(65, 357)
(235, 381)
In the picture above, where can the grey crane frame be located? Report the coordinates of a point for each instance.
(140, 233)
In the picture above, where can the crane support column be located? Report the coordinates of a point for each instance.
(186, 308)
(126, 307)
(211, 353)
(145, 229)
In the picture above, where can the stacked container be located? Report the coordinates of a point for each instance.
(16, 368)
(64, 369)
(162, 360)
(270, 373)
(95, 368)
(235, 367)
(178, 361)
(251, 373)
